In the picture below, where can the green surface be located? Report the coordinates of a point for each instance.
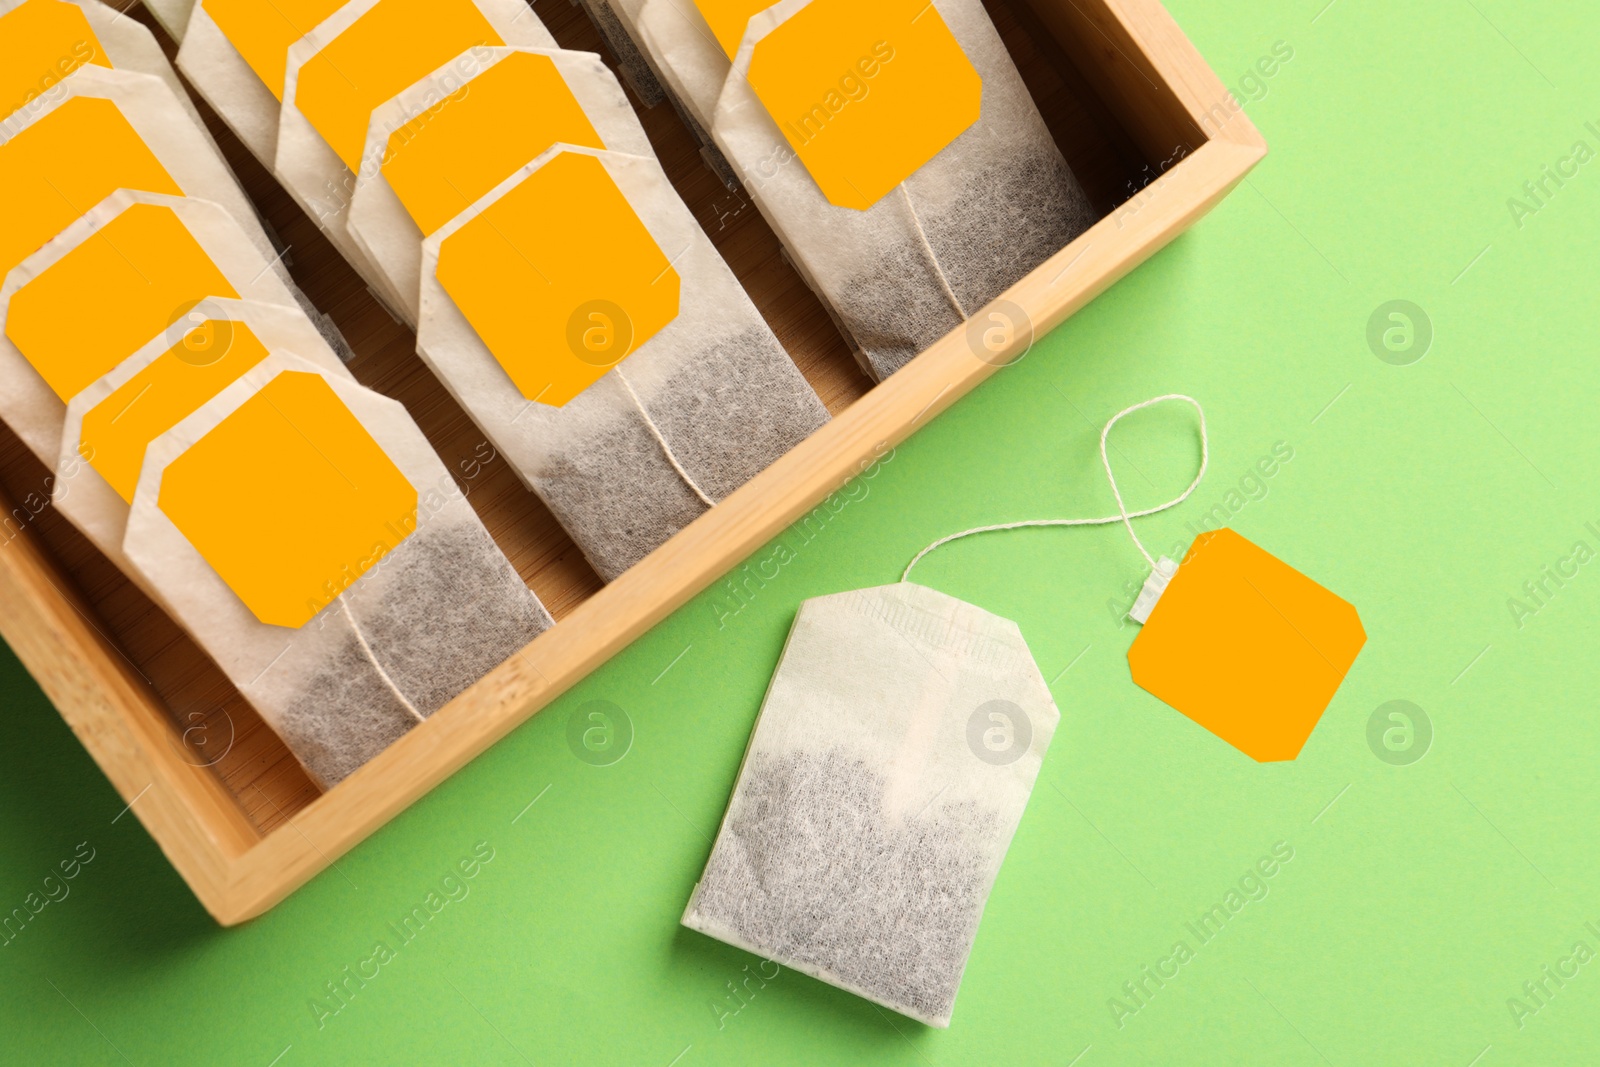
(1419, 899)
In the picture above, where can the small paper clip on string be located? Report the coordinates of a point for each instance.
(1242, 643)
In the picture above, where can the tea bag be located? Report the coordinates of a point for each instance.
(105, 130)
(109, 425)
(894, 754)
(447, 140)
(303, 531)
(360, 57)
(121, 275)
(235, 53)
(902, 260)
(44, 41)
(582, 318)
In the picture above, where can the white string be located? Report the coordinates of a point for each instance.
(666, 449)
(361, 639)
(933, 257)
(1123, 515)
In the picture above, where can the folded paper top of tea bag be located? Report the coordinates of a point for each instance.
(121, 274)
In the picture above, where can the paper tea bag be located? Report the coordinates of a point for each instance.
(105, 130)
(106, 285)
(906, 169)
(43, 41)
(894, 754)
(361, 56)
(110, 424)
(582, 318)
(305, 534)
(235, 53)
(432, 151)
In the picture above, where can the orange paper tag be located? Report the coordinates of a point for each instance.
(865, 94)
(1246, 646)
(290, 499)
(41, 42)
(560, 278)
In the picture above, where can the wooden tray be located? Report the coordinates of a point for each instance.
(1156, 140)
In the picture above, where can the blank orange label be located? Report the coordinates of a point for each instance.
(263, 32)
(41, 42)
(107, 298)
(392, 46)
(560, 279)
(54, 171)
(444, 160)
(1246, 646)
(865, 94)
(117, 431)
(289, 499)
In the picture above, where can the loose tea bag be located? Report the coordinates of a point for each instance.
(305, 534)
(895, 751)
(236, 52)
(904, 729)
(442, 144)
(582, 318)
(110, 423)
(101, 289)
(896, 152)
(363, 55)
(43, 41)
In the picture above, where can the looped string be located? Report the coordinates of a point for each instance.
(1123, 515)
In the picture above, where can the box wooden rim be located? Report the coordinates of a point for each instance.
(238, 874)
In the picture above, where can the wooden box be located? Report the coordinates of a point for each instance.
(1156, 140)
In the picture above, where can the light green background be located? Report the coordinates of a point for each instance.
(1419, 899)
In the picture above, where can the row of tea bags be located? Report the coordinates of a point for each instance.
(204, 433)
(892, 146)
(503, 195)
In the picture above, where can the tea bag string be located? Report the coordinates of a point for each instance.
(933, 257)
(655, 431)
(372, 657)
(1123, 515)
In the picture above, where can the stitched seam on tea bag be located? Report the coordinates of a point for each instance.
(666, 449)
(361, 639)
(1123, 515)
(940, 634)
(933, 258)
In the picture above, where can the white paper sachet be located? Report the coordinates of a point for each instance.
(893, 757)
(990, 207)
(357, 59)
(108, 424)
(385, 640)
(124, 272)
(464, 129)
(125, 108)
(703, 400)
(121, 41)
